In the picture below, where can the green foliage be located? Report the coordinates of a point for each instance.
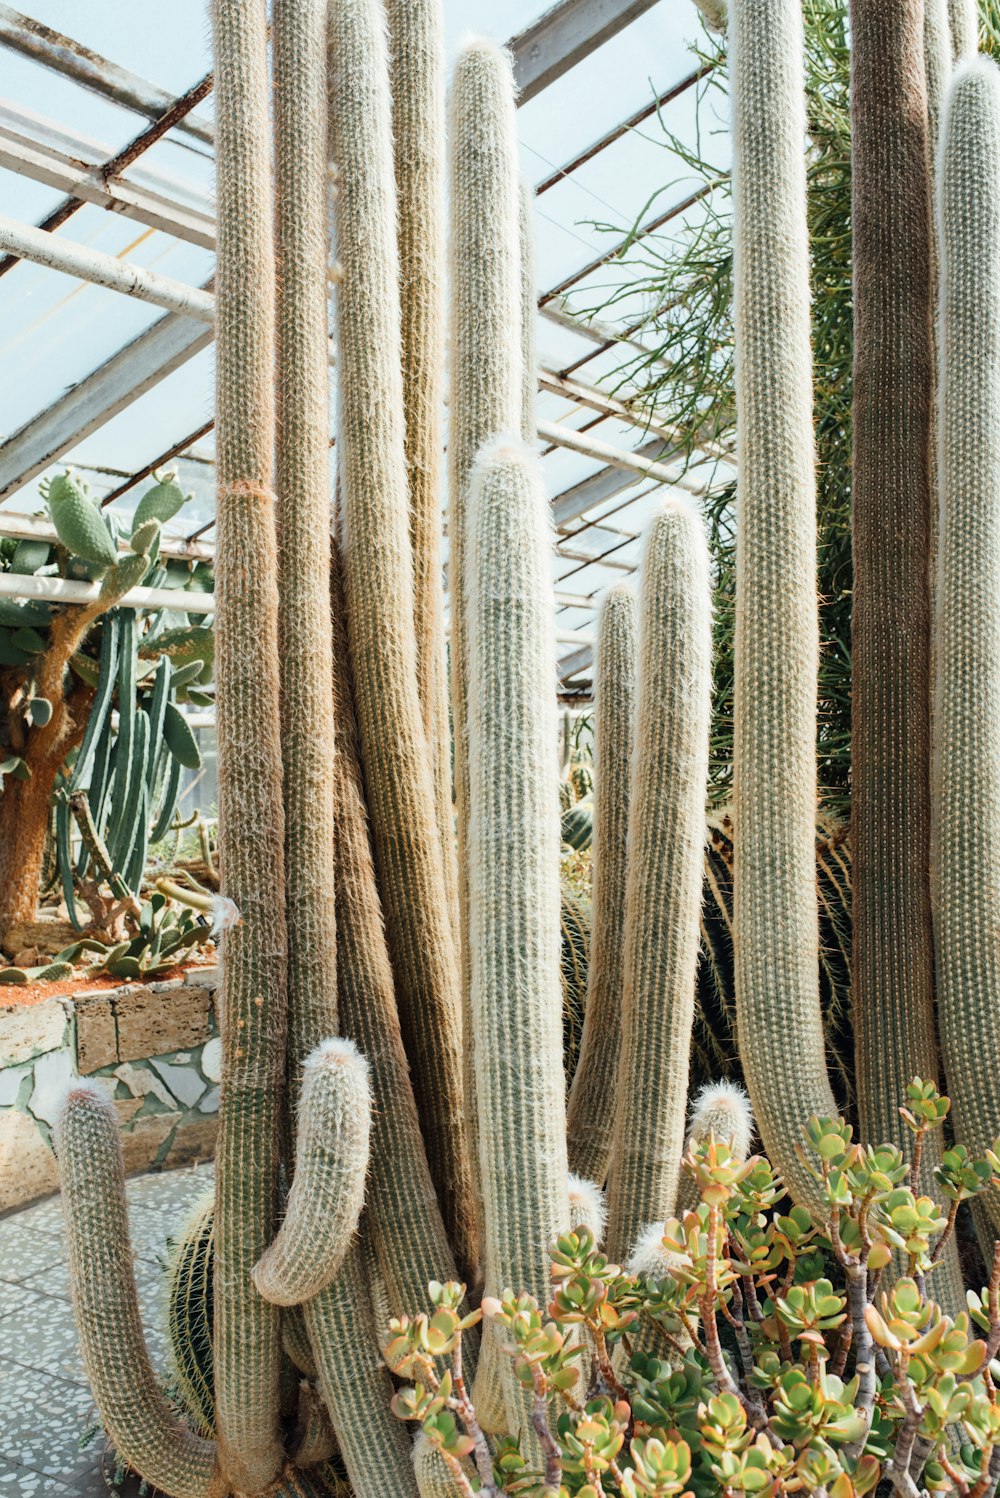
(774, 1320)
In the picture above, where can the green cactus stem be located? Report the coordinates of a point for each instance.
(514, 879)
(487, 394)
(247, 1351)
(407, 1231)
(775, 917)
(328, 1186)
(590, 1112)
(378, 577)
(143, 1429)
(303, 513)
(892, 969)
(666, 840)
(416, 44)
(967, 767)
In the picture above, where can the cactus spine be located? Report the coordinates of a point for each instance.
(416, 43)
(251, 825)
(514, 879)
(591, 1107)
(378, 576)
(777, 645)
(968, 690)
(328, 1187)
(666, 858)
(302, 449)
(138, 1419)
(486, 389)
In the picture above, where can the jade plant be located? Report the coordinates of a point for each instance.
(68, 669)
(789, 1360)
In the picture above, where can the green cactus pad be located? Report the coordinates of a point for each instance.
(160, 503)
(78, 521)
(145, 537)
(29, 556)
(180, 740)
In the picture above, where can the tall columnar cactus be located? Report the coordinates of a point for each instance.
(302, 481)
(514, 879)
(529, 311)
(590, 1114)
(964, 15)
(666, 840)
(892, 969)
(251, 823)
(144, 1429)
(485, 370)
(378, 575)
(328, 1188)
(967, 762)
(416, 42)
(938, 67)
(404, 1218)
(777, 646)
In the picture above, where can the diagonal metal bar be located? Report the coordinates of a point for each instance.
(564, 36)
(139, 366)
(92, 71)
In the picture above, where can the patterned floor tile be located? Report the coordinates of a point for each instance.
(42, 1420)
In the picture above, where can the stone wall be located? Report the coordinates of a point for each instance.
(155, 1047)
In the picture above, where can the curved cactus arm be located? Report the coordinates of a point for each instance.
(378, 578)
(967, 764)
(775, 916)
(356, 1385)
(486, 394)
(407, 1230)
(140, 1424)
(892, 961)
(590, 1111)
(514, 848)
(964, 18)
(328, 1187)
(303, 514)
(247, 1330)
(665, 869)
(416, 44)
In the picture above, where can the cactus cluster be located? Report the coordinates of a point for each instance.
(394, 1107)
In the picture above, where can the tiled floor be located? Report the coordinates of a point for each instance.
(45, 1405)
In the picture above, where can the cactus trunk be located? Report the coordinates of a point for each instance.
(378, 576)
(590, 1113)
(514, 880)
(251, 824)
(967, 764)
(302, 481)
(775, 916)
(666, 858)
(892, 967)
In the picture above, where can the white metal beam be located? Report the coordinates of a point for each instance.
(33, 148)
(69, 590)
(564, 36)
(92, 71)
(37, 528)
(78, 260)
(135, 369)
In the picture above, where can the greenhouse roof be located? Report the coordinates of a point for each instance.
(120, 118)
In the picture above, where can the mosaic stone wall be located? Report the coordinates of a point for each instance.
(154, 1047)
